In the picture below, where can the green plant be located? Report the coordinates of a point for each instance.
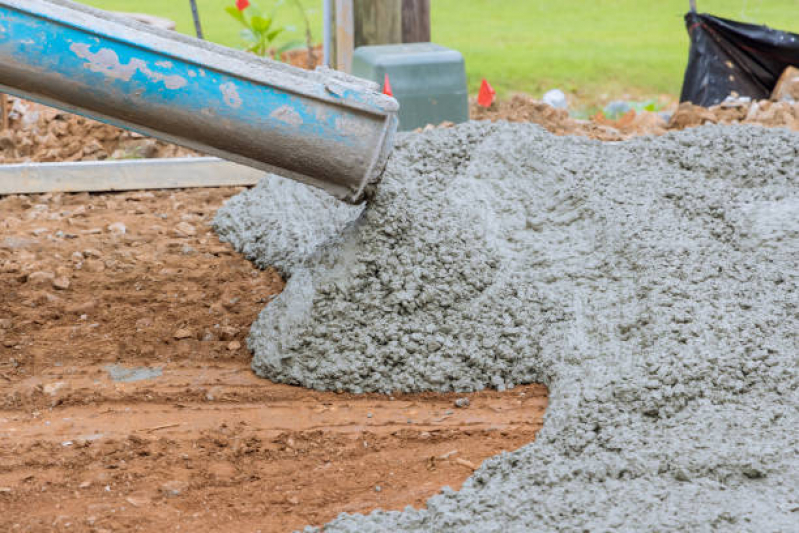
(260, 31)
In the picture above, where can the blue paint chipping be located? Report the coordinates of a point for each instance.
(137, 75)
(321, 128)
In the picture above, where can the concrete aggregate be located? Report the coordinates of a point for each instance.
(651, 284)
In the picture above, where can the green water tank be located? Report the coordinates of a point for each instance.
(428, 80)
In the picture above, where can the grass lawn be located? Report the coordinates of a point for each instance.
(594, 49)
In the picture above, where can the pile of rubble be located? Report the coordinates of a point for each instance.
(782, 114)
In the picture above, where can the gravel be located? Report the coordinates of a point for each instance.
(651, 284)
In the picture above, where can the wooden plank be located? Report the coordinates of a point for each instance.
(344, 35)
(5, 108)
(99, 176)
(378, 22)
(416, 21)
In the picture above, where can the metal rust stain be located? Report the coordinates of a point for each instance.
(231, 95)
(106, 61)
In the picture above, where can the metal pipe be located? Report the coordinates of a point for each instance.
(323, 128)
(196, 15)
(327, 38)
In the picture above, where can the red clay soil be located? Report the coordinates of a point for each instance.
(127, 402)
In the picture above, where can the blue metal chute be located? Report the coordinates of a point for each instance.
(323, 128)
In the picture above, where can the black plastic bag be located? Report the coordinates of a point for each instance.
(728, 56)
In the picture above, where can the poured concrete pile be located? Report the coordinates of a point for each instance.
(651, 284)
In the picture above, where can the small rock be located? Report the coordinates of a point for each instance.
(171, 489)
(61, 283)
(233, 346)
(82, 309)
(556, 98)
(144, 323)
(52, 388)
(6, 323)
(467, 464)
(229, 302)
(462, 402)
(16, 243)
(183, 333)
(787, 88)
(138, 501)
(117, 228)
(41, 279)
(293, 500)
(220, 250)
(227, 333)
(93, 265)
(184, 229)
(91, 252)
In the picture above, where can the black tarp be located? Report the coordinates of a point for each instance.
(732, 57)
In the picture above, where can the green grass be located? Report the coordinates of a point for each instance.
(595, 49)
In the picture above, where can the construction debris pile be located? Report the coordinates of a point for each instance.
(651, 284)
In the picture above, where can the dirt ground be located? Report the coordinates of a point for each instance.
(126, 398)
(127, 402)
(39, 133)
(524, 108)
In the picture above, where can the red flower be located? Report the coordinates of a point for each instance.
(241, 5)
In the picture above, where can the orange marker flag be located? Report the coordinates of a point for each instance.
(387, 87)
(486, 95)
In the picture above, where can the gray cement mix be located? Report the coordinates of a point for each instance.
(123, 374)
(651, 284)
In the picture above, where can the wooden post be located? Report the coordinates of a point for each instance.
(4, 105)
(369, 22)
(692, 4)
(378, 22)
(415, 21)
(344, 35)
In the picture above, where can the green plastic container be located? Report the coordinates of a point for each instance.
(428, 80)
